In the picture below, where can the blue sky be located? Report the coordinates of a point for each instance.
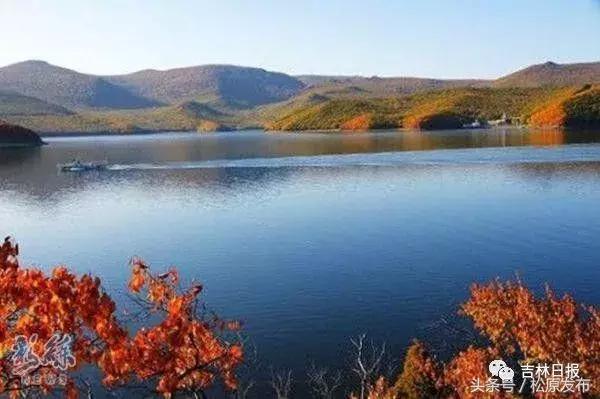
(446, 39)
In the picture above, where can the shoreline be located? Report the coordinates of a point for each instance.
(307, 131)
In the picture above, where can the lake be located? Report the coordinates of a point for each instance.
(313, 238)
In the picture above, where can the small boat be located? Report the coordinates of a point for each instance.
(78, 166)
(476, 124)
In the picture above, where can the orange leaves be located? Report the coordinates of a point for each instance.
(421, 373)
(236, 351)
(33, 304)
(520, 327)
(552, 115)
(181, 352)
(466, 366)
(137, 280)
(176, 306)
(8, 254)
(360, 122)
(554, 112)
(71, 391)
(412, 122)
(549, 329)
(381, 390)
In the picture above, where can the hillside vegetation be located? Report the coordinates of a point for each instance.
(570, 107)
(446, 109)
(188, 116)
(51, 99)
(12, 103)
(439, 109)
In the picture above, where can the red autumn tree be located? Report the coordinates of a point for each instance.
(184, 352)
(521, 328)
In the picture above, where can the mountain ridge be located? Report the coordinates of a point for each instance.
(552, 73)
(48, 98)
(66, 87)
(241, 87)
(226, 85)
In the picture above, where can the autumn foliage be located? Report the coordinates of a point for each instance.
(578, 107)
(360, 122)
(553, 113)
(183, 352)
(520, 328)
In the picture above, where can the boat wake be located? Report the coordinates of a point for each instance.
(566, 154)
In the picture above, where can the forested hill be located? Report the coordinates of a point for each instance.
(222, 85)
(552, 74)
(52, 99)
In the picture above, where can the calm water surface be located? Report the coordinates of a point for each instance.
(311, 239)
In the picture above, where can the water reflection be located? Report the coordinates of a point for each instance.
(34, 172)
(310, 251)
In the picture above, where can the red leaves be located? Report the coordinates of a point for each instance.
(137, 280)
(421, 374)
(181, 352)
(8, 254)
(550, 329)
(519, 326)
(469, 364)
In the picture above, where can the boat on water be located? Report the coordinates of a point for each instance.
(78, 166)
(476, 124)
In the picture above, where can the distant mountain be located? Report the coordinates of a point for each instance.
(547, 74)
(377, 86)
(17, 136)
(67, 88)
(51, 99)
(221, 85)
(12, 103)
(552, 74)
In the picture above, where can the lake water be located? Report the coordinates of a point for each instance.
(311, 238)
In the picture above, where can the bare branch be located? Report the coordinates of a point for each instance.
(322, 383)
(282, 384)
(367, 361)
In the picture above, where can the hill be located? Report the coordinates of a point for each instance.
(571, 107)
(552, 74)
(384, 87)
(438, 109)
(51, 99)
(12, 103)
(225, 86)
(187, 116)
(67, 88)
(449, 108)
(17, 136)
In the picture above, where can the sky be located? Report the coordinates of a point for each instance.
(428, 38)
